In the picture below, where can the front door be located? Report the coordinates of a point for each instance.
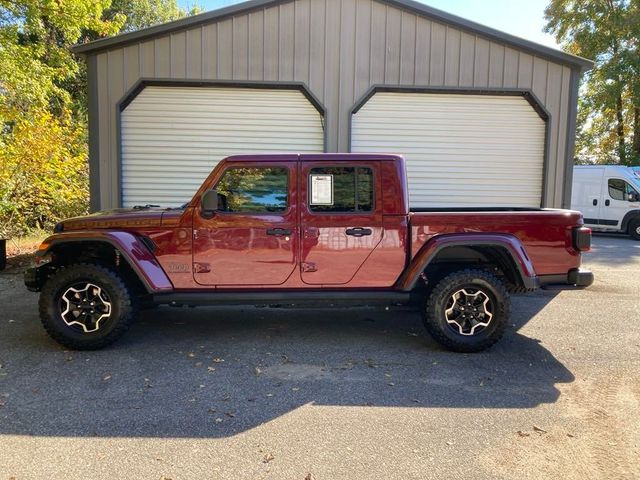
(252, 240)
(617, 194)
(341, 219)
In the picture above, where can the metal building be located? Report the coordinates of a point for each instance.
(484, 118)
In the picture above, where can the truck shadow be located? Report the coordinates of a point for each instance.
(219, 372)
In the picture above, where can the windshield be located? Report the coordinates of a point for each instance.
(635, 178)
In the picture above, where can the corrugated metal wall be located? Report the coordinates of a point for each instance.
(339, 49)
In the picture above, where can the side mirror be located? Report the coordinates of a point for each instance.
(209, 203)
(632, 197)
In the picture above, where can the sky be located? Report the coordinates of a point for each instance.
(522, 18)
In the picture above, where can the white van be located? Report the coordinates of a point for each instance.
(609, 197)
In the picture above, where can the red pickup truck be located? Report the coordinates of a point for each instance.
(326, 229)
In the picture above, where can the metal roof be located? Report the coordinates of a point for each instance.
(413, 6)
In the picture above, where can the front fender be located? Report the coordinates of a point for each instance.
(132, 249)
(511, 244)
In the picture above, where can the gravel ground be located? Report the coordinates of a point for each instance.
(319, 394)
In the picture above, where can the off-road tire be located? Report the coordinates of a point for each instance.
(434, 311)
(120, 299)
(634, 229)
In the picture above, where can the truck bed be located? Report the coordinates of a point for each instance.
(545, 233)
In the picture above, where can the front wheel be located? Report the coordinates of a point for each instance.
(86, 306)
(467, 311)
(634, 229)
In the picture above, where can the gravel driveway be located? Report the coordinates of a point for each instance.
(246, 393)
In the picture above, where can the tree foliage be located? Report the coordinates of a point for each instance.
(43, 121)
(608, 32)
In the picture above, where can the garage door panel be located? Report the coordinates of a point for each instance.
(172, 137)
(461, 150)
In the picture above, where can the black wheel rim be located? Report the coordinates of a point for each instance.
(469, 311)
(85, 307)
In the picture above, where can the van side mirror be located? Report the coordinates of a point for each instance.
(633, 197)
(209, 203)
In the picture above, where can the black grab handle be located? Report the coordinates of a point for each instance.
(358, 231)
(278, 232)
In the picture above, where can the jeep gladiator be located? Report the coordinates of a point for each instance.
(322, 229)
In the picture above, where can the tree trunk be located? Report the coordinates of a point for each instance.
(620, 130)
(636, 131)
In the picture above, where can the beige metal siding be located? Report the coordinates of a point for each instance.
(461, 150)
(173, 136)
(339, 48)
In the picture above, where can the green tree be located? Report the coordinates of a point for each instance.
(43, 119)
(144, 13)
(606, 31)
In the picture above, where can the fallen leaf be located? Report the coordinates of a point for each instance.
(412, 334)
(2, 404)
(218, 420)
(258, 370)
(201, 386)
(268, 457)
(539, 430)
(295, 389)
(449, 443)
(211, 369)
(523, 434)
(106, 378)
(387, 375)
(269, 394)
(218, 360)
(191, 354)
(211, 410)
(391, 384)
(198, 364)
(230, 414)
(285, 358)
(309, 477)
(571, 435)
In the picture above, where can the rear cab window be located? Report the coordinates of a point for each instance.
(347, 189)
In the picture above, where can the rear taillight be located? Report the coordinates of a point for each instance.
(582, 239)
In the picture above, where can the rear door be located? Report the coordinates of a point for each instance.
(587, 193)
(341, 219)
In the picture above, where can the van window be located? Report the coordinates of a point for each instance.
(619, 189)
(254, 190)
(341, 189)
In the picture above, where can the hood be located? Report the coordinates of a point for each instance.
(117, 218)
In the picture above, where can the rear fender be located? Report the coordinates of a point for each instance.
(508, 243)
(132, 249)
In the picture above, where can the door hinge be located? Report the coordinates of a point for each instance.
(309, 267)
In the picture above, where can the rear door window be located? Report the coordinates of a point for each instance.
(341, 190)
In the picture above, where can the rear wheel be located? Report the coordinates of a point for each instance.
(467, 311)
(86, 306)
(634, 229)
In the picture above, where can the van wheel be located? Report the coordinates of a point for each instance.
(634, 229)
(86, 306)
(467, 311)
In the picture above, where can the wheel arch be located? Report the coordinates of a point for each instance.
(115, 246)
(447, 252)
(628, 218)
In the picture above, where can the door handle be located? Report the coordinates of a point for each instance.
(278, 232)
(358, 231)
(595, 202)
(607, 202)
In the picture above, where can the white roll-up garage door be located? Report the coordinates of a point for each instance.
(461, 150)
(172, 137)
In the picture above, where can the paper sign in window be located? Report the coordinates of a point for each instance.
(321, 189)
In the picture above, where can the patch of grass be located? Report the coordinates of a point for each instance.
(25, 245)
(20, 250)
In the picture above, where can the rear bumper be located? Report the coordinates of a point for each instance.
(574, 278)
